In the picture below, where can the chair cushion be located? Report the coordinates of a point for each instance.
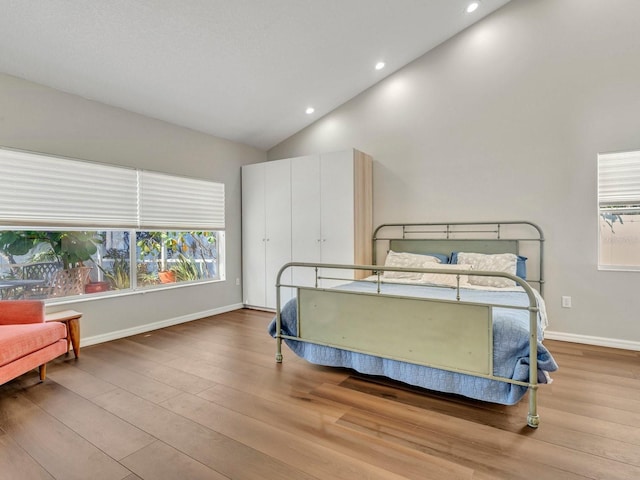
(21, 311)
(17, 341)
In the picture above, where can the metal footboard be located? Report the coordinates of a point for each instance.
(458, 336)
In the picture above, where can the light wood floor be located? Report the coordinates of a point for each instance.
(205, 400)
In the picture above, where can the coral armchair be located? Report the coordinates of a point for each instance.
(26, 340)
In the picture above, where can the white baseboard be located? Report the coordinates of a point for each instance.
(262, 309)
(565, 337)
(589, 340)
(106, 337)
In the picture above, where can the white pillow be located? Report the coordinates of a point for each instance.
(446, 279)
(408, 260)
(500, 262)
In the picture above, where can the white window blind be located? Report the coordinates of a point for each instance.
(619, 179)
(38, 189)
(168, 201)
(44, 190)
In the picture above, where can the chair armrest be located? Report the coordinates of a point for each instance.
(21, 311)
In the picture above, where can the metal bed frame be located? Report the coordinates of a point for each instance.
(456, 336)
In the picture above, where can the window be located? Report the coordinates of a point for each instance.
(37, 263)
(94, 228)
(177, 256)
(619, 211)
(62, 263)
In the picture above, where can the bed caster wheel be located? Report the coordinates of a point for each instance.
(533, 421)
(278, 358)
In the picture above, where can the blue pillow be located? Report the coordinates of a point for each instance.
(440, 256)
(521, 265)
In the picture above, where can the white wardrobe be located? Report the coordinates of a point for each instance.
(316, 208)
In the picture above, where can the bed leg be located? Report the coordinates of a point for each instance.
(278, 350)
(533, 419)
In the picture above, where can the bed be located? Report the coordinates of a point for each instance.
(473, 327)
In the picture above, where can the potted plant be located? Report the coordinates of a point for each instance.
(167, 276)
(96, 286)
(118, 275)
(178, 248)
(72, 248)
(157, 245)
(185, 269)
(144, 277)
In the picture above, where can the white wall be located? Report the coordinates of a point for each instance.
(36, 118)
(504, 121)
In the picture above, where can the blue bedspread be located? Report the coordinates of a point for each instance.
(510, 354)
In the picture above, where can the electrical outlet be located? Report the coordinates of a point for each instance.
(566, 302)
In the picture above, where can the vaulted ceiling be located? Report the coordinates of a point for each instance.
(245, 70)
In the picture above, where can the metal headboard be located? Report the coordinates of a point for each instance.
(518, 237)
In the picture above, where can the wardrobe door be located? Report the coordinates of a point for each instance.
(305, 216)
(324, 214)
(337, 210)
(253, 235)
(277, 204)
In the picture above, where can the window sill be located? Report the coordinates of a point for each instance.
(125, 293)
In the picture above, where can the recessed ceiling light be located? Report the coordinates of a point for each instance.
(472, 7)
(309, 110)
(379, 65)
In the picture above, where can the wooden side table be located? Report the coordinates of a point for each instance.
(71, 319)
